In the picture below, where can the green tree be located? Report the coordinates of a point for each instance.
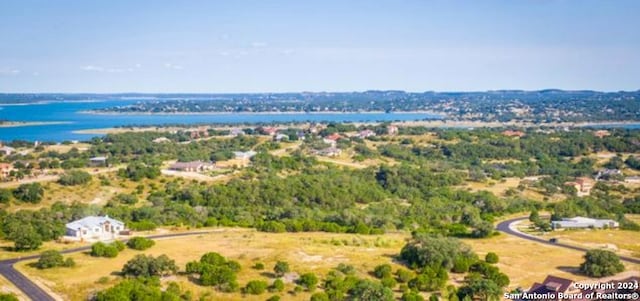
(308, 281)
(30, 193)
(74, 177)
(601, 263)
(368, 290)
(277, 286)
(50, 259)
(381, 271)
(8, 297)
(26, 239)
(281, 268)
(255, 287)
(491, 257)
(5, 195)
(140, 243)
(146, 266)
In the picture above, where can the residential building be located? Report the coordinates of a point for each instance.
(193, 166)
(329, 152)
(244, 155)
(601, 133)
(161, 140)
(583, 185)
(98, 161)
(511, 133)
(236, 132)
(392, 130)
(268, 130)
(280, 137)
(608, 173)
(550, 288)
(580, 222)
(95, 228)
(5, 170)
(7, 150)
(366, 134)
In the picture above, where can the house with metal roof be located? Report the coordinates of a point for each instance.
(580, 222)
(95, 228)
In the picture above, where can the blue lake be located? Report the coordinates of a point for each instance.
(70, 112)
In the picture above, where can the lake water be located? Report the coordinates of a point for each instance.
(70, 112)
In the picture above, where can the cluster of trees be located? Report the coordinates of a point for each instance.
(51, 259)
(144, 288)
(110, 250)
(148, 266)
(215, 270)
(140, 243)
(433, 257)
(601, 263)
(74, 177)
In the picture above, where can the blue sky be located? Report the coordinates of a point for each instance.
(275, 46)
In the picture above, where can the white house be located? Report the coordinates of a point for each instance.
(579, 222)
(95, 228)
(244, 155)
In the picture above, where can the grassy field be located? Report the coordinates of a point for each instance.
(621, 241)
(305, 252)
(526, 262)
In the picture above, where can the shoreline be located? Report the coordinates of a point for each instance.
(15, 124)
(111, 113)
(425, 123)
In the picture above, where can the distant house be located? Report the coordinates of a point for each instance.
(95, 227)
(583, 185)
(632, 179)
(280, 137)
(329, 152)
(392, 130)
(606, 173)
(161, 140)
(511, 133)
(236, 132)
(601, 133)
(98, 161)
(580, 222)
(552, 286)
(193, 166)
(7, 150)
(244, 155)
(366, 134)
(5, 170)
(333, 137)
(268, 131)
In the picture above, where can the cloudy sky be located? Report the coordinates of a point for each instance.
(275, 46)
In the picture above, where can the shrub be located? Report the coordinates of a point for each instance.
(148, 266)
(491, 257)
(308, 281)
(30, 193)
(319, 296)
(389, 282)
(255, 287)
(258, 266)
(140, 243)
(382, 271)
(404, 275)
(277, 286)
(281, 268)
(74, 177)
(101, 249)
(50, 259)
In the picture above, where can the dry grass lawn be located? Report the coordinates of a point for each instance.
(7, 287)
(623, 242)
(526, 262)
(305, 252)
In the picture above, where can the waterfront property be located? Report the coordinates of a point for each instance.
(193, 166)
(580, 222)
(94, 228)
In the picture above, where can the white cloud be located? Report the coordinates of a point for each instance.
(8, 71)
(287, 51)
(173, 66)
(93, 68)
(259, 44)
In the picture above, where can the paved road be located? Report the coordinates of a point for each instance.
(33, 291)
(505, 227)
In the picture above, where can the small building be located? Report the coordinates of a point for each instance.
(580, 222)
(268, 131)
(193, 166)
(608, 173)
(98, 161)
(334, 137)
(392, 130)
(329, 141)
(95, 228)
(244, 155)
(601, 133)
(329, 152)
(235, 132)
(583, 185)
(7, 150)
(161, 140)
(5, 170)
(366, 134)
(280, 137)
(552, 286)
(512, 133)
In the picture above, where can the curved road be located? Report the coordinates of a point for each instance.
(505, 227)
(33, 291)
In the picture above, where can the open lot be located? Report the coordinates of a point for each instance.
(305, 252)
